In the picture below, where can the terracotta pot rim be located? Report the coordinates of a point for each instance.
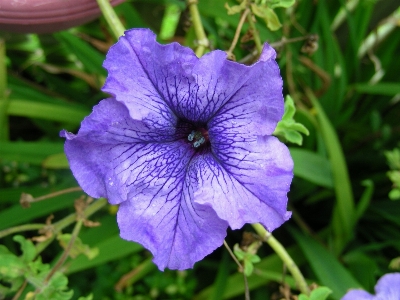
(44, 16)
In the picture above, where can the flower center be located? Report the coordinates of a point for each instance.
(198, 137)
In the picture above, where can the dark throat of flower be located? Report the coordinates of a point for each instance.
(199, 138)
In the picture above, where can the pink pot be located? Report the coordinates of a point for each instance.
(45, 16)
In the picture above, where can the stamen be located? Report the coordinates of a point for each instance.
(191, 136)
(198, 137)
(196, 144)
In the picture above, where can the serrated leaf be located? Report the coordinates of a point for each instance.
(56, 289)
(11, 266)
(27, 248)
(269, 16)
(78, 247)
(288, 128)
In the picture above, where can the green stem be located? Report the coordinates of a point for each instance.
(20, 228)
(198, 28)
(135, 275)
(237, 33)
(64, 256)
(111, 17)
(3, 93)
(256, 35)
(284, 255)
(68, 220)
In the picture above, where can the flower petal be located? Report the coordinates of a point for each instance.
(358, 295)
(245, 181)
(101, 154)
(388, 287)
(156, 80)
(177, 231)
(232, 91)
(144, 170)
(138, 67)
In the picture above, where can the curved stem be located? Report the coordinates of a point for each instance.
(20, 228)
(246, 285)
(198, 28)
(64, 256)
(237, 33)
(286, 258)
(68, 220)
(111, 17)
(256, 36)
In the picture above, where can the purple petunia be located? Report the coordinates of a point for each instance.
(387, 288)
(184, 147)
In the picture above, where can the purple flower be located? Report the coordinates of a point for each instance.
(184, 146)
(387, 288)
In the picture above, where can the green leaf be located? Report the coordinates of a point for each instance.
(11, 266)
(312, 167)
(48, 111)
(320, 293)
(29, 152)
(282, 3)
(269, 16)
(90, 58)
(382, 88)
(170, 21)
(56, 161)
(344, 212)
(326, 267)
(27, 247)
(110, 249)
(288, 128)
(236, 8)
(55, 289)
(78, 247)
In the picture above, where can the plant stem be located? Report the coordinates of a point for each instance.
(111, 17)
(246, 285)
(68, 220)
(20, 228)
(135, 275)
(284, 255)
(198, 28)
(3, 93)
(26, 199)
(237, 33)
(64, 256)
(256, 36)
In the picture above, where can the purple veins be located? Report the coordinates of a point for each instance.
(387, 288)
(184, 146)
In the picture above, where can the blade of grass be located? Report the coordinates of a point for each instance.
(54, 112)
(325, 266)
(312, 167)
(343, 213)
(3, 93)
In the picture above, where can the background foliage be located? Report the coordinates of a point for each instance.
(339, 61)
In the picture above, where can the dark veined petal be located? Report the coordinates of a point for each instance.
(129, 163)
(246, 181)
(178, 231)
(156, 80)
